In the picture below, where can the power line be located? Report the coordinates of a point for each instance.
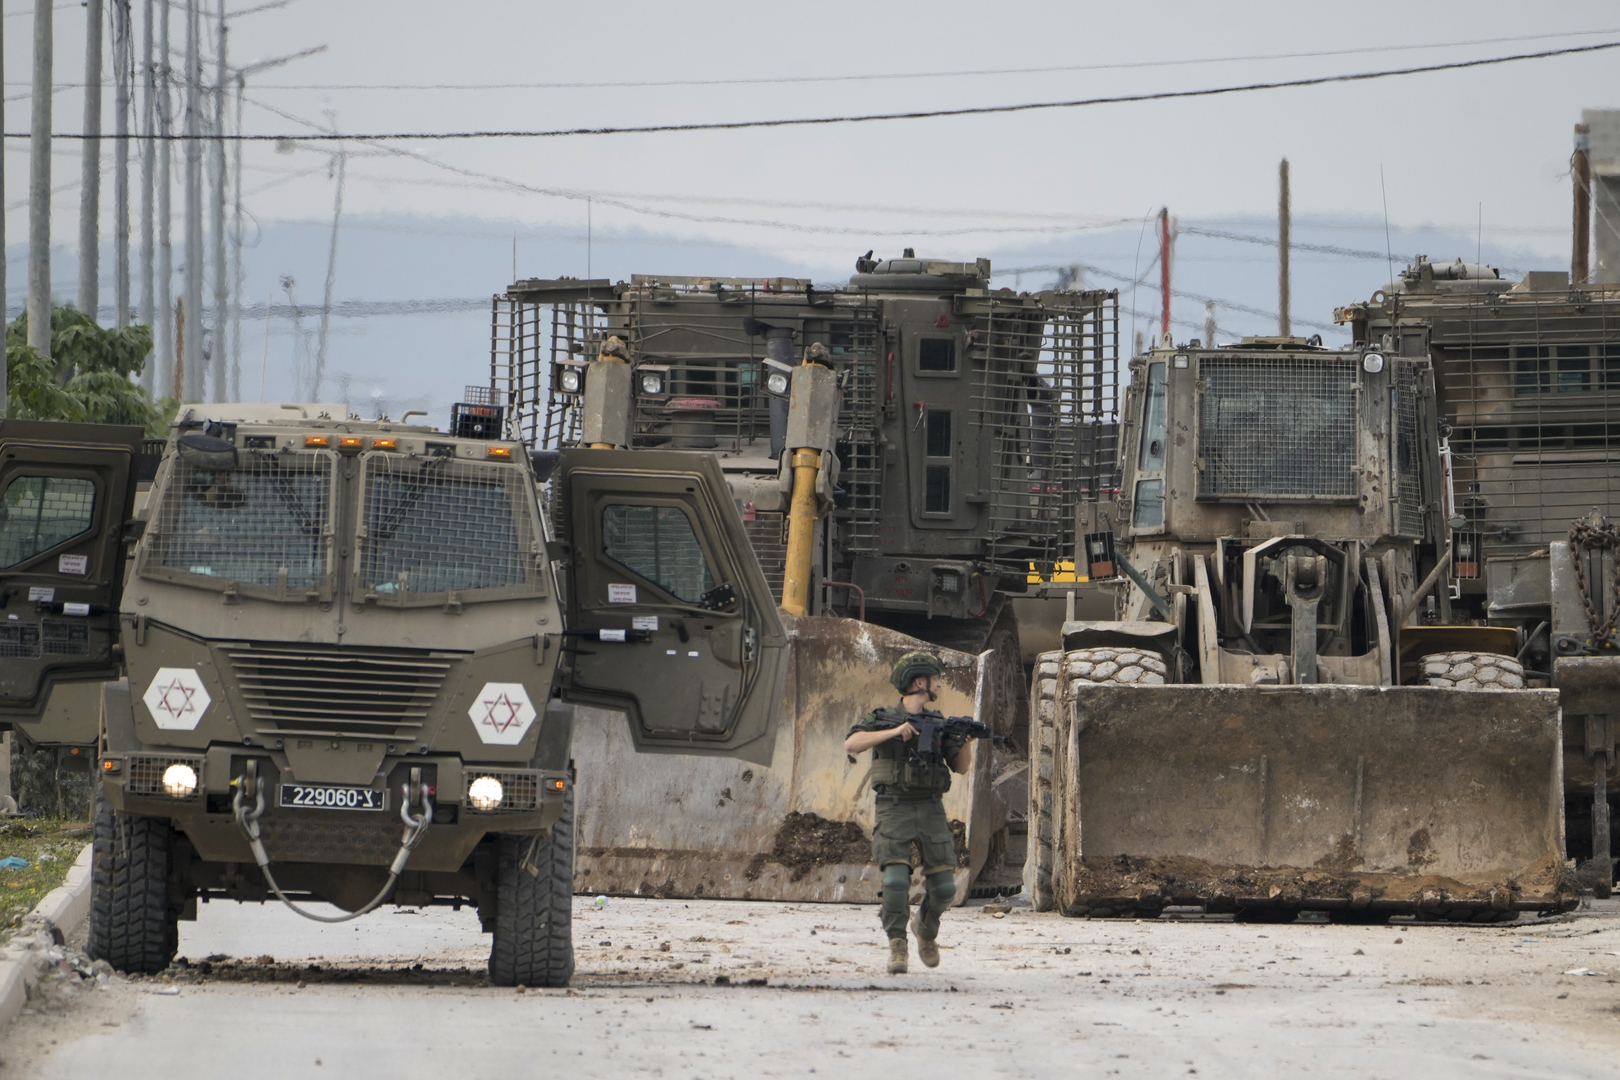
(907, 76)
(927, 114)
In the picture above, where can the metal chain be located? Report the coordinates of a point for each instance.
(1583, 534)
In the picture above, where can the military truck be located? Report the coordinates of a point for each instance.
(345, 658)
(1528, 388)
(1267, 724)
(905, 451)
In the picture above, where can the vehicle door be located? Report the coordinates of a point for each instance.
(670, 618)
(67, 492)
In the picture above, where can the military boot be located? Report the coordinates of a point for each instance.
(927, 947)
(897, 956)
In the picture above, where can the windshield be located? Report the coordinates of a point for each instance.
(439, 525)
(263, 523)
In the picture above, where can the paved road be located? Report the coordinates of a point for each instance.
(400, 994)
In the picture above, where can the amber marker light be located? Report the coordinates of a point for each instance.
(503, 452)
(559, 784)
(317, 440)
(350, 442)
(384, 444)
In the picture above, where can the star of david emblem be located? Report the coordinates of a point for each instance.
(502, 714)
(176, 699)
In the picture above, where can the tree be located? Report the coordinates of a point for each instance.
(88, 377)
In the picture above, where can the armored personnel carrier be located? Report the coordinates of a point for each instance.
(333, 659)
(906, 451)
(1267, 724)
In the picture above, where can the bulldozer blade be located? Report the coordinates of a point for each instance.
(672, 825)
(1411, 800)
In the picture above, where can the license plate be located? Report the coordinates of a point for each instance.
(321, 797)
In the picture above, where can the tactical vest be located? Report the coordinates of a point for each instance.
(893, 774)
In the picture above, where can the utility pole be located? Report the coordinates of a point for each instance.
(90, 176)
(236, 254)
(165, 350)
(217, 153)
(1164, 273)
(123, 84)
(195, 374)
(331, 280)
(1284, 226)
(39, 187)
(148, 125)
(1581, 173)
(236, 224)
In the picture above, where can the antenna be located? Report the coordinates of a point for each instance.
(1388, 253)
(1135, 267)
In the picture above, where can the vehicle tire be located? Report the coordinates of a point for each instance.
(533, 941)
(1472, 671)
(132, 925)
(1043, 701)
(1129, 667)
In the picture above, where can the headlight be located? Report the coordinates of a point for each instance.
(485, 793)
(776, 383)
(180, 781)
(569, 380)
(652, 384)
(1372, 363)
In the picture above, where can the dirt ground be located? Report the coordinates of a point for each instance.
(717, 988)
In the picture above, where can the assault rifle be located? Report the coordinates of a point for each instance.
(926, 748)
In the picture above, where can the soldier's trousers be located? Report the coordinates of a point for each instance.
(900, 822)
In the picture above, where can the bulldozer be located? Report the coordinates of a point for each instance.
(905, 451)
(1268, 723)
(1528, 390)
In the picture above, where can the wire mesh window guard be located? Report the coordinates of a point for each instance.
(1276, 427)
(659, 543)
(39, 512)
(265, 523)
(437, 525)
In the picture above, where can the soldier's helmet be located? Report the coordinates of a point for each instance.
(913, 664)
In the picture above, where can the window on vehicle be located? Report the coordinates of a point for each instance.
(1149, 510)
(937, 489)
(39, 512)
(1574, 369)
(939, 433)
(258, 524)
(658, 543)
(443, 525)
(1152, 453)
(936, 354)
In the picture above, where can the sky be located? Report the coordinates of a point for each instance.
(1463, 162)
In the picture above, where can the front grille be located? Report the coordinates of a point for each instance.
(520, 790)
(1276, 427)
(144, 774)
(351, 692)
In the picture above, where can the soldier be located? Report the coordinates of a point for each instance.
(910, 807)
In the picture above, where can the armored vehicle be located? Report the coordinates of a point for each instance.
(345, 658)
(1246, 733)
(905, 451)
(1528, 386)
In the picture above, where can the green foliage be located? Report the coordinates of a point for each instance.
(88, 376)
